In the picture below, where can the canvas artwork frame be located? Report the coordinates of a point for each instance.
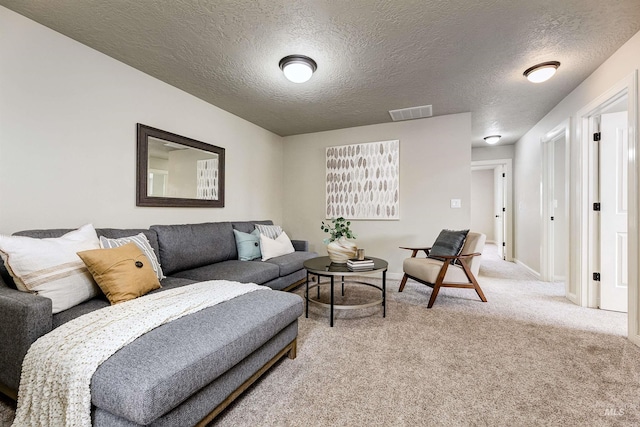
(363, 181)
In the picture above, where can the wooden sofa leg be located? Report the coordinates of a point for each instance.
(293, 351)
(404, 282)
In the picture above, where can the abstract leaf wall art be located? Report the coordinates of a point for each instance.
(207, 180)
(363, 181)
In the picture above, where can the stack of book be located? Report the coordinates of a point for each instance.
(360, 264)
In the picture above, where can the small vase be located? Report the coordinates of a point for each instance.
(341, 250)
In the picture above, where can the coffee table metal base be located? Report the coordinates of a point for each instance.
(332, 305)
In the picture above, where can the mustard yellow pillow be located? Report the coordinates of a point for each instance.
(123, 273)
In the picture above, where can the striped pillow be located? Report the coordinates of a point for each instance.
(51, 268)
(271, 231)
(142, 242)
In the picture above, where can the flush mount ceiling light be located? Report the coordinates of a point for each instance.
(492, 139)
(541, 72)
(298, 68)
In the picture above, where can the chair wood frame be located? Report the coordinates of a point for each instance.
(463, 260)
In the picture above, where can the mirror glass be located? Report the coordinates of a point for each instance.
(174, 170)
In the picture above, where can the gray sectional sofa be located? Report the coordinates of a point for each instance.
(187, 371)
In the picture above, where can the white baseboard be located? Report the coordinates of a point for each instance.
(529, 269)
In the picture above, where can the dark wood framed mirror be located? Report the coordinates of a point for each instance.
(176, 171)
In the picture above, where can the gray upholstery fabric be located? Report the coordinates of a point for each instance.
(44, 234)
(164, 367)
(290, 263)
(200, 404)
(240, 271)
(286, 281)
(6, 281)
(248, 226)
(188, 246)
(117, 233)
(24, 318)
(300, 245)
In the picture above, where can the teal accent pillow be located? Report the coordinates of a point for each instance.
(248, 245)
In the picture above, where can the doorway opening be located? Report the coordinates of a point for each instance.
(587, 251)
(491, 203)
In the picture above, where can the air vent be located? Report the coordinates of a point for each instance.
(411, 113)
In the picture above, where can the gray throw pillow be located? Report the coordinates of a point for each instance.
(448, 242)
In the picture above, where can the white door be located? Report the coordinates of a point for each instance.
(614, 160)
(498, 208)
(559, 211)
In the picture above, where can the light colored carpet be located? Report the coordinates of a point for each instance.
(526, 357)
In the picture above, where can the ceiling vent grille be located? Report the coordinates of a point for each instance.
(411, 113)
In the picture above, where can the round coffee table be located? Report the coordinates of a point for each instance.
(323, 267)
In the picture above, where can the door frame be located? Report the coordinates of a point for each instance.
(548, 256)
(583, 197)
(508, 196)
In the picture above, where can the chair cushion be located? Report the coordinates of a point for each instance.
(448, 242)
(427, 269)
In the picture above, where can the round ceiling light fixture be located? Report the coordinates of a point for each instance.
(298, 68)
(492, 139)
(541, 72)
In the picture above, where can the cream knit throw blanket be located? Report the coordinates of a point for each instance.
(57, 370)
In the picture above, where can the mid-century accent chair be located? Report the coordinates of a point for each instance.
(447, 274)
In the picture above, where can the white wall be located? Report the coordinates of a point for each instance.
(482, 201)
(68, 119)
(493, 153)
(435, 158)
(528, 154)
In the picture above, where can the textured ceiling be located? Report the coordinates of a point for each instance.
(372, 55)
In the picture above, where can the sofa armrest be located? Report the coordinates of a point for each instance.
(300, 245)
(24, 318)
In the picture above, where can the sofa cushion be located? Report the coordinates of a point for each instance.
(249, 226)
(50, 267)
(248, 245)
(112, 233)
(292, 262)
(162, 368)
(270, 231)
(188, 246)
(272, 248)
(241, 271)
(142, 242)
(123, 273)
(118, 233)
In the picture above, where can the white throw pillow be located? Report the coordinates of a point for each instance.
(51, 268)
(142, 242)
(272, 248)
